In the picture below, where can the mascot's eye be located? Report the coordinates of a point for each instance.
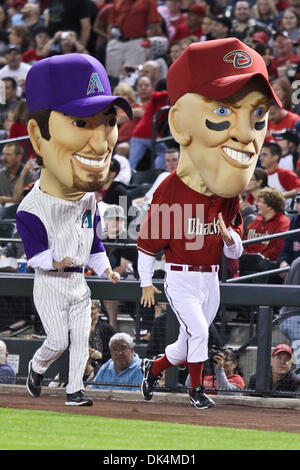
(259, 112)
(222, 111)
(80, 123)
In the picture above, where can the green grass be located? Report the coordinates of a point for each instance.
(39, 430)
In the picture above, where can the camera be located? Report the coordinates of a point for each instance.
(213, 351)
(64, 34)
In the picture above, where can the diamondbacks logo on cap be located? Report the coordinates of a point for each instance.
(240, 59)
(95, 84)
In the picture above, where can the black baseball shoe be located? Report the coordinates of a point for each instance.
(199, 400)
(34, 382)
(78, 399)
(149, 380)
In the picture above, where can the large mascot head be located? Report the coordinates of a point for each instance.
(219, 93)
(72, 122)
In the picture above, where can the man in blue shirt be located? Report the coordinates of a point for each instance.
(124, 367)
(7, 373)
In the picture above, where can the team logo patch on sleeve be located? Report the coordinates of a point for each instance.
(239, 59)
(95, 85)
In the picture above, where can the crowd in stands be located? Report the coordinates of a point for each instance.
(137, 42)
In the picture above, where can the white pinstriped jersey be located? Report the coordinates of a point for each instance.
(61, 228)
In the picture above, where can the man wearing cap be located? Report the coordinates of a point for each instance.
(15, 67)
(220, 27)
(121, 258)
(218, 116)
(282, 378)
(73, 130)
(284, 56)
(193, 24)
(288, 141)
(7, 372)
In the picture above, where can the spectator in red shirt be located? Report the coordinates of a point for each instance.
(270, 220)
(283, 180)
(129, 23)
(193, 23)
(284, 55)
(280, 120)
(41, 37)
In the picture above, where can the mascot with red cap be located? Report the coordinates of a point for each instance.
(220, 94)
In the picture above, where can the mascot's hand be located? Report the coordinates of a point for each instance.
(113, 276)
(65, 263)
(148, 296)
(224, 231)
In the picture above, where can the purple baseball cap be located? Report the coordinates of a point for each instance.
(74, 84)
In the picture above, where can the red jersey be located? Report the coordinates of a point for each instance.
(278, 62)
(184, 224)
(260, 227)
(134, 16)
(183, 31)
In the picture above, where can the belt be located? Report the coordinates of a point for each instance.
(201, 269)
(72, 270)
(123, 39)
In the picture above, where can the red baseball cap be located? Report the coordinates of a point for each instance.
(216, 69)
(198, 9)
(260, 36)
(282, 348)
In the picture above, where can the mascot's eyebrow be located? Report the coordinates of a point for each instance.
(217, 126)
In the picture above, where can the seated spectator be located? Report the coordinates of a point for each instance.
(63, 42)
(124, 367)
(171, 162)
(15, 68)
(40, 39)
(291, 247)
(282, 378)
(142, 134)
(7, 373)
(258, 181)
(122, 259)
(290, 22)
(150, 69)
(284, 56)
(244, 25)
(266, 51)
(19, 127)
(126, 125)
(280, 120)
(270, 220)
(284, 91)
(288, 142)
(100, 334)
(285, 181)
(12, 155)
(31, 16)
(192, 24)
(289, 317)
(265, 11)
(174, 52)
(20, 36)
(227, 376)
(220, 27)
(114, 191)
(156, 50)
(11, 99)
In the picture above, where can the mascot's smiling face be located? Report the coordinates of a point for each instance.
(223, 138)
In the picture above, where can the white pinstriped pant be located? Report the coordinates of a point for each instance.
(64, 306)
(194, 297)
